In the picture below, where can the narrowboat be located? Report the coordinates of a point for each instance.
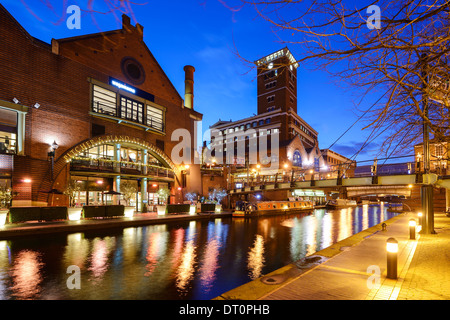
(246, 209)
(341, 203)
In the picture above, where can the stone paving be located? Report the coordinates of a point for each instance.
(356, 269)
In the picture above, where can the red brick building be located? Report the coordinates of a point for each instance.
(104, 101)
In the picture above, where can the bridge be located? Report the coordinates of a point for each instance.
(356, 186)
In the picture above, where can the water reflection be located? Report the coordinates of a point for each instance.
(256, 258)
(184, 260)
(185, 271)
(99, 257)
(26, 275)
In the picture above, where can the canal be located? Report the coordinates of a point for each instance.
(184, 260)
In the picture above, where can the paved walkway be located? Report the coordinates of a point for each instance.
(348, 270)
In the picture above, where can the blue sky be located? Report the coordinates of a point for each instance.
(205, 34)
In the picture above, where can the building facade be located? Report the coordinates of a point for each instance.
(275, 144)
(92, 113)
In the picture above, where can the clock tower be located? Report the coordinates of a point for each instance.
(277, 82)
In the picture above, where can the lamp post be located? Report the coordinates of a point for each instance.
(426, 189)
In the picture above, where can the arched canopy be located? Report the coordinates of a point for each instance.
(123, 140)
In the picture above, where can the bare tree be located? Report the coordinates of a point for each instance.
(392, 52)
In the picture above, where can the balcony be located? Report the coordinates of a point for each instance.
(114, 167)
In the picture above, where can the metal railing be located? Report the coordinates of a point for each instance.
(124, 167)
(114, 111)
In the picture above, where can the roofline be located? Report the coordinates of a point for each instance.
(282, 52)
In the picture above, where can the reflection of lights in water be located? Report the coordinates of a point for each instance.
(288, 223)
(190, 232)
(256, 257)
(99, 256)
(210, 265)
(158, 245)
(310, 237)
(178, 246)
(327, 231)
(185, 272)
(345, 224)
(76, 250)
(296, 237)
(26, 275)
(365, 219)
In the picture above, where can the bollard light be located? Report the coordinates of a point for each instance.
(420, 214)
(412, 229)
(392, 250)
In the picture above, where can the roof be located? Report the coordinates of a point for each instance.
(277, 54)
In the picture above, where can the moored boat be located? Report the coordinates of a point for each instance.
(341, 203)
(246, 209)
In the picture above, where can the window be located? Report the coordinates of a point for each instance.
(160, 144)
(155, 118)
(297, 159)
(108, 102)
(267, 120)
(271, 98)
(131, 109)
(8, 131)
(261, 122)
(439, 150)
(271, 84)
(104, 101)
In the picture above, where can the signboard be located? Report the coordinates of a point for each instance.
(308, 193)
(126, 87)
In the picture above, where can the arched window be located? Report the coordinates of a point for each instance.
(297, 159)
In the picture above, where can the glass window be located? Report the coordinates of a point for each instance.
(297, 159)
(131, 109)
(104, 101)
(8, 142)
(155, 118)
(8, 131)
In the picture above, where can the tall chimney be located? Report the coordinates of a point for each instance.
(189, 87)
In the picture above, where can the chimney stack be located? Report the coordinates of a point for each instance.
(189, 87)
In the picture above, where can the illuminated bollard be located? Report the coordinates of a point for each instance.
(412, 229)
(420, 217)
(392, 250)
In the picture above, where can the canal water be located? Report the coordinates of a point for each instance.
(183, 260)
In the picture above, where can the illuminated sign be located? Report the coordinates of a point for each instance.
(123, 86)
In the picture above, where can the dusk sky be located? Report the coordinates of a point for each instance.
(206, 34)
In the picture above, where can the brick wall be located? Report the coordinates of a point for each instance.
(32, 73)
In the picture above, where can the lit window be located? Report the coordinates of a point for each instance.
(104, 101)
(131, 109)
(155, 117)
